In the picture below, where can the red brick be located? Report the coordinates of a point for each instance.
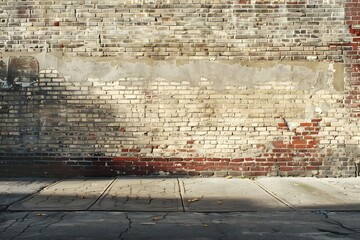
(316, 120)
(281, 150)
(124, 159)
(286, 169)
(297, 142)
(237, 160)
(266, 164)
(306, 124)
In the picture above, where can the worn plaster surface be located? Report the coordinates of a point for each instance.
(318, 75)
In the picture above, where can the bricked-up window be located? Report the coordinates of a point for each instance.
(18, 71)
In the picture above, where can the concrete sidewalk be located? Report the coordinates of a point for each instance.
(180, 208)
(181, 194)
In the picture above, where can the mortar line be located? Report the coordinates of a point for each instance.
(274, 196)
(181, 195)
(102, 194)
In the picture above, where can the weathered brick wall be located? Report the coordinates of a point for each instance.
(177, 87)
(186, 29)
(352, 53)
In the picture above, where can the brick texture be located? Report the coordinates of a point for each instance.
(189, 29)
(352, 54)
(184, 87)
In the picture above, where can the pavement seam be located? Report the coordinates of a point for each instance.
(51, 184)
(275, 196)
(181, 195)
(8, 207)
(103, 194)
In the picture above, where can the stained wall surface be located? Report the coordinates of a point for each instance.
(192, 87)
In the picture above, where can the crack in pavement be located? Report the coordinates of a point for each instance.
(41, 221)
(336, 223)
(34, 224)
(67, 196)
(127, 199)
(24, 230)
(150, 199)
(48, 225)
(339, 224)
(15, 221)
(332, 232)
(164, 217)
(128, 196)
(29, 196)
(10, 225)
(127, 229)
(69, 201)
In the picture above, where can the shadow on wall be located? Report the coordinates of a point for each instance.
(57, 127)
(43, 131)
(19, 118)
(18, 72)
(48, 108)
(33, 115)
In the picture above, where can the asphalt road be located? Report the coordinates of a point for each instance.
(179, 225)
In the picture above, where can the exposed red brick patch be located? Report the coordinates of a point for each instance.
(352, 55)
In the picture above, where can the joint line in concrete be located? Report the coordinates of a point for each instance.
(274, 196)
(181, 195)
(103, 194)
